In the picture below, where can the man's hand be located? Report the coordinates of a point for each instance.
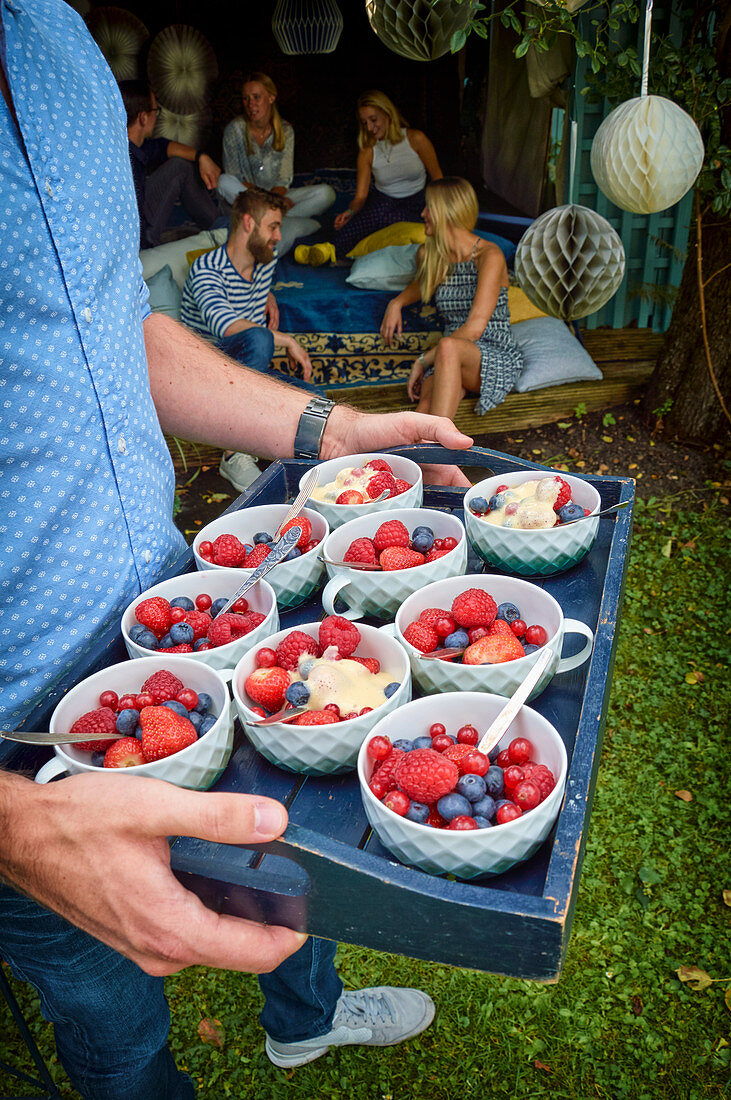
(272, 312)
(392, 324)
(209, 171)
(297, 354)
(94, 849)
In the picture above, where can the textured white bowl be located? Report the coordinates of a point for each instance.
(532, 553)
(337, 514)
(197, 767)
(381, 593)
(475, 852)
(217, 583)
(321, 750)
(536, 607)
(293, 581)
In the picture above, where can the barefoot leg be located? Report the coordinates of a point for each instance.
(456, 372)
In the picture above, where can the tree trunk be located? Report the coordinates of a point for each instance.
(681, 392)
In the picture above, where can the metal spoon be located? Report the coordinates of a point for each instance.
(498, 727)
(307, 486)
(277, 553)
(30, 737)
(595, 515)
(351, 564)
(284, 715)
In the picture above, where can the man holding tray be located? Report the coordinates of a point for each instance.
(86, 482)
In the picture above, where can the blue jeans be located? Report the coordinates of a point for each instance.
(93, 996)
(254, 347)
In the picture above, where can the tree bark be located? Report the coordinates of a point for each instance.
(681, 392)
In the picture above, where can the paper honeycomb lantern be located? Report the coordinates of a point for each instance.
(418, 29)
(570, 262)
(120, 36)
(646, 154)
(186, 129)
(180, 67)
(307, 26)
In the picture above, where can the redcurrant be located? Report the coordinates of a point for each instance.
(206, 550)
(508, 812)
(518, 628)
(203, 602)
(474, 763)
(397, 801)
(520, 750)
(527, 795)
(467, 735)
(379, 748)
(188, 698)
(177, 614)
(441, 742)
(333, 708)
(127, 702)
(144, 700)
(436, 729)
(535, 635)
(476, 633)
(512, 776)
(503, 759)
(461, 823)
(449, 543)
(240, 607)
(444, 627)
(265, 658)
(109, 699)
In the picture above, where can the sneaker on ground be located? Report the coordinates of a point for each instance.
(240, 469)
(377, 1017)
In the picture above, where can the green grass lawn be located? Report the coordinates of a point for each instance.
(619, 1024)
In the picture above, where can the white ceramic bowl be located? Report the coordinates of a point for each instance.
(293, 581)
(536, 607)
(197, 767)
(336, 514)
(475, 852)
(381, 593)
(532, 553)
(321, 750)
(217, 583)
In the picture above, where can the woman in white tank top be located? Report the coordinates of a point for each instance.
(398, 161)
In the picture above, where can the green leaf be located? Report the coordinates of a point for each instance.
(649, 876)
(697, 979)
(458, 40)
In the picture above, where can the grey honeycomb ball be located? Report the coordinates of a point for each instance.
(418, 29)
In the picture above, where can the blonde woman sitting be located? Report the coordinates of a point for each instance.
(258, 151)
(398, 161)
(468, 278)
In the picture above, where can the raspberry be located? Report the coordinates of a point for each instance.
(399, 557)
(379, 483)
(350, 496)
(291, 647)
(370, 663)
(257, 556)
(252, 619)
(101, 720)
(316, 718)
(154, 613)
(378, 464)
(200, 621)
(162, 686)
(227, 628)
(401, 486)
(384, 773)
(228, 551)
(475, 607)
(300, 521)
(425, 775)
(391, 533)
(340, 632)
(421, 637)
(564, 494)
(361, 550)
(432, 615)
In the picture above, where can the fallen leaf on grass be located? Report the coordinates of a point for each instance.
(211, 1031)
(637, 1006)
(216, 498)
(580, 465)
(632, 466)
(727, 897)
(666, 548)
(727, 998)
(542, 1065)
(697, 979)
(694, 677)
(684, 796)
(607, 439)
(563, 424)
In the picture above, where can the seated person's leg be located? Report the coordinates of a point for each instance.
(175, 181)
(311, 201)
(229, 187)
(377, 213)
(294, 227)
(254, 347)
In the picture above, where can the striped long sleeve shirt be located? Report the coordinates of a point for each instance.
(215, 295)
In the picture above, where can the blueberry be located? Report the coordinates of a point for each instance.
(485, 807)
(531, 648)
(482, 822)
(181, 633)
(422, 529)
(417, 811)
(206, 724)
(248, 547)
(478, 505)
(403, 744)
(508, 611)
(199, 643)
(494, 781)
(297, 694)
(136, 629)
(126, 722)
(204, 702)
(166, 642)
(496, 501)
(493, 754)
(195, 719)
(471, 787)
(422, 543)
(183, 601)
(391, 689)
(97, 759)
(218, 605)
(262, 536)
(147, 640)
(306, 666)
(454, 805)
(422, 743)
(138, 733)
(570, 511)
(174, 705)
(294, 553)
(458, 639)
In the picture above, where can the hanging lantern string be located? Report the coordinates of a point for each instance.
(572, 157)
(646, 52)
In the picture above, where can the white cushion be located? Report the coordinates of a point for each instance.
(390, 268)
(552, 355)
(175, 254)
(165, 296)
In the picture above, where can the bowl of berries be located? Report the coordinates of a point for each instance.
(408, 549)
(439, 804)
(181, 616)
(347, 487)
(173, 720)
(340, 678)
(483, 632)
(531, 525)
(243, 539)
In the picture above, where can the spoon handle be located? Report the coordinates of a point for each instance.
(513, 705)
(38, 737)
(307, 486)
(278, 552)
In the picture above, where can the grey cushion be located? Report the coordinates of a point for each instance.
(165, 296)
(552, 355)
(390, 268)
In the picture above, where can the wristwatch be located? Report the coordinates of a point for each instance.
(311, 427)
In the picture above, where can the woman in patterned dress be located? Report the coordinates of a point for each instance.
(468, 278)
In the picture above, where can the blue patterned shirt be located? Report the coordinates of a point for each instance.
(86, 480)
(215, 295)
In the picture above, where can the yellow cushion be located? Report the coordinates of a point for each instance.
(398, 233)
(521, 307)
(192, 256)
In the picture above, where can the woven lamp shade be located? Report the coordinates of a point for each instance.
(120, 36)
(307, 26)
(418, 29)
(180, 67)
(646, 154)
(570, 262)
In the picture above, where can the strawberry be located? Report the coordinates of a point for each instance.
(200, 621)
(164, 732)
(293, 646)
(125, 752)
(455, 753)
(391, 533)
(399, 557)
(316, 718)
(381, 481)
(257, 556)
(385, 771)
(154, 613)
(101, 720)
(228, 628)
(434, 554)
(340, 632)
(361, 550)
(228, 551)
(162, 686)
(499, 627)
(493, 649)
(378, 464)
(300, 521)
(350, 496)
(370, 663)
(564, 494)
(184, 647)
(422, 637)
(475, 607)
(425, 775)
(432, 615)
(266, 686)
(401, 486)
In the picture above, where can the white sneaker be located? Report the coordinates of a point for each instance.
(240, 469)
(377, 1017)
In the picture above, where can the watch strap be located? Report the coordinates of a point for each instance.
(311, 427)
